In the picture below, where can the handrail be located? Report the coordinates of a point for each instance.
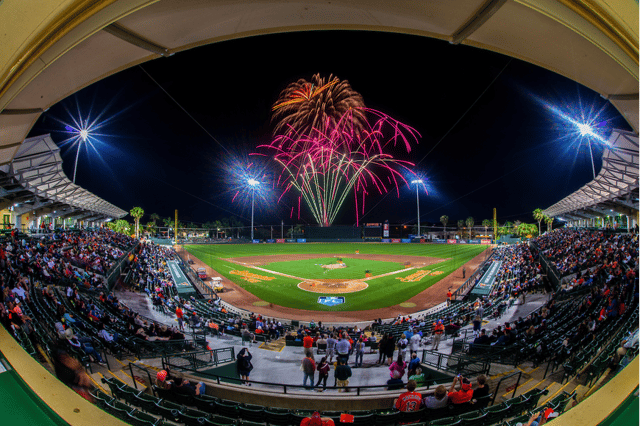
(461, 363)
(221, 379)
(194, 358)
(133, 377)
(495, 393)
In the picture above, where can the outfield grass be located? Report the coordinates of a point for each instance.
(382, 292)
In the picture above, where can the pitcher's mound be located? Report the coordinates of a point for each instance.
(332, 286)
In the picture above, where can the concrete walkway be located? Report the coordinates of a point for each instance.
(284, 367)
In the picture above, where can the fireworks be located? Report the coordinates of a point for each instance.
(318, 105)
(327, 149)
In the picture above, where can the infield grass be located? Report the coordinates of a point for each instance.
(382, 292)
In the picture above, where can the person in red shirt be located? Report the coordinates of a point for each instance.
(316, 420)
(179, 315)
(307, 344)
(410, 400)
(465, 394)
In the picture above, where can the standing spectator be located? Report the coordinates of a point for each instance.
(414, 342)
(342, 374)
(307, 344)
(179, 315)
(342, 348)
(331, 347)
(359, 352)
(309, 369)
(244, 366)
(438, 331)
(410, 400)
(414, 363)
(449, 296)
(390, 348)
(382, 348)
(323, 373)
(402, 345)
(398, 365)
(477, 324)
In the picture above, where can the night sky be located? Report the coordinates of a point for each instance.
(487, 140)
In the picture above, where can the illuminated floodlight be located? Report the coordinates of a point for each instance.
(581, 124)
(252, 182)
(418, 182)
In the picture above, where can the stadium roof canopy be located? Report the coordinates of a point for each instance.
(614, 191)
(35, 182)
(50, 49)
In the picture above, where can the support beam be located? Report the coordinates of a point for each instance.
(484, 12)
(131, 37)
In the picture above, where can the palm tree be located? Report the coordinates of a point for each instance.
(460, 227)
(444, 219)
(486, 223)
(137, 213)
(470, 222)
(154, 217)
(549, 222)
(538, 215)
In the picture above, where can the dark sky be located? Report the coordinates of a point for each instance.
(490, 142)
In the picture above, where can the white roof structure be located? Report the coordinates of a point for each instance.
(34, 179)
(615, 189)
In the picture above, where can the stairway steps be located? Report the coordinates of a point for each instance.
(96, 379)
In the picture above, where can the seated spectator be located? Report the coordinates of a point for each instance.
(184, 386)
(464, 394)
(410, 400)
(439, 399)
(317, 420)
(482, 339)
(163, 380)
(482, 389)
(84, 344)
(418, 377)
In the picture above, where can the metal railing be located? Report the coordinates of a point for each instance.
(455, 364)
(515, 388)
(112, 277)
(198, 359)
(133, 377)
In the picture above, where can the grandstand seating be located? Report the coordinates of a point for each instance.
(566, 351)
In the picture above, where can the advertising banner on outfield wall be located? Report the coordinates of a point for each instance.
(386, 240)
(302, 240)
(280, 240)
(439, 241)
(271, 241)
(452, 241)
(462, 241)
(406, 240)
(474, 241)
(256, 241)
(290, 240)
(485, 241)
(395, 240)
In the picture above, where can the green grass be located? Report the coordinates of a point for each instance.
(312, 268)
(382, 292)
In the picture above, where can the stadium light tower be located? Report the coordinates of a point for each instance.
(417, 183)
(253, 184)
(83, 134)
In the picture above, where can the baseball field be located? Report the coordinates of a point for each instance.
(334, 276)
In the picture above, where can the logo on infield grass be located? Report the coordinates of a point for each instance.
(330, 300)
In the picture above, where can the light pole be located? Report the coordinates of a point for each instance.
(417, 183)
(84, 134)
(587, 131)
(252, 183)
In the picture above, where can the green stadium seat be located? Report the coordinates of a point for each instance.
(447, 421)
(278, 417)
(191, 417)
(388, 418)
(138, 418)
(253, 413)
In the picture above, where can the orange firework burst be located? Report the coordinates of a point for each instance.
(317, 105)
